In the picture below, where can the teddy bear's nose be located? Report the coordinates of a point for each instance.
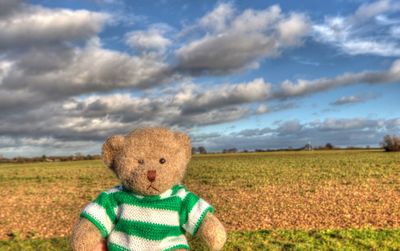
(151, 175)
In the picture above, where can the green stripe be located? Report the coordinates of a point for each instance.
(105, 201)
(99, 226)
(171, 203)
(180, 246)
(190, 200)
(187, 205)
(115, 247)
(146, 230)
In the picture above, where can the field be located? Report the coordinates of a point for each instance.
(279, 200)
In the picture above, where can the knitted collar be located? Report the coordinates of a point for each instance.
(166, 194)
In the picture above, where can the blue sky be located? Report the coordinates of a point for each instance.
(245, 74)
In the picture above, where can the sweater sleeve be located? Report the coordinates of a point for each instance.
(193, 211)
(102, 213)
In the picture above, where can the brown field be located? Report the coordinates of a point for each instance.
(290, 190)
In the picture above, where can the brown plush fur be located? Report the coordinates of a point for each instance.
(148, 161)
(212, 232)
(85, 236)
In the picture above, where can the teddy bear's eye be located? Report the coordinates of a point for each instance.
(162, 161)
(141, 161)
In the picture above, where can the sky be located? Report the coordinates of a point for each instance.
(245, 74)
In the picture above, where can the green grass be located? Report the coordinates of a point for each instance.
(353, 239)
(312, 167)
(237, 170)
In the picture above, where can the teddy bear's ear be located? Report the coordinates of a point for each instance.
(111, 147)
(184, 140)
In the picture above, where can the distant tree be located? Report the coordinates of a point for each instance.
(329, 146)
(194, 150)
(233, 150)
(89, 157)
(230, 150)
(391, 143)
(308, 147)
(202, 150)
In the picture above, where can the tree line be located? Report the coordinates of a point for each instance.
(44, 158)
(390, 143)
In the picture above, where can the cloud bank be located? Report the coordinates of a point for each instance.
(62, 89)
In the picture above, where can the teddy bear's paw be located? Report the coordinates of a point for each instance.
(213, 232)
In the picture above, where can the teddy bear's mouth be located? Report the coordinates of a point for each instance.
(151, 186)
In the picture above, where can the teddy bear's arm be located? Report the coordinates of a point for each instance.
(85, 236)
(212, 232)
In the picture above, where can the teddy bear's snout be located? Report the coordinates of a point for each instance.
(151, 175)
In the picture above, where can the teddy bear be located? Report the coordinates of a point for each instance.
(150, 209)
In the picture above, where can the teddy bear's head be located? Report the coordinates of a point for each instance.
(148, 161)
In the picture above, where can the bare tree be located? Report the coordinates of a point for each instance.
(230, 150)
(329, 146)
(391, 143)
(202, 150)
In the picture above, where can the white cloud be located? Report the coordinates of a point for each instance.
(41, 62)
(293, 29)
(5, 67)
(39, 26)
(345, 124)
(347, 100)
(145, 40)
(360, 98)
(358, 47)
(242, 41)
(304, 87)
(367, 31)
(226, 95)
(86, 70)
(217, 19)
(257, 20)
(370, 10)
(262, 109)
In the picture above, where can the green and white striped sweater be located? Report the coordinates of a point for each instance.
(134, 222)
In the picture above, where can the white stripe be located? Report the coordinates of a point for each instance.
(181, 193)
(163, 195)
(166, 194)
(137, 243)
(194, 215)
(114, 190)
(150, 215)
(173, 241)
(138, 196)
(99, 213)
